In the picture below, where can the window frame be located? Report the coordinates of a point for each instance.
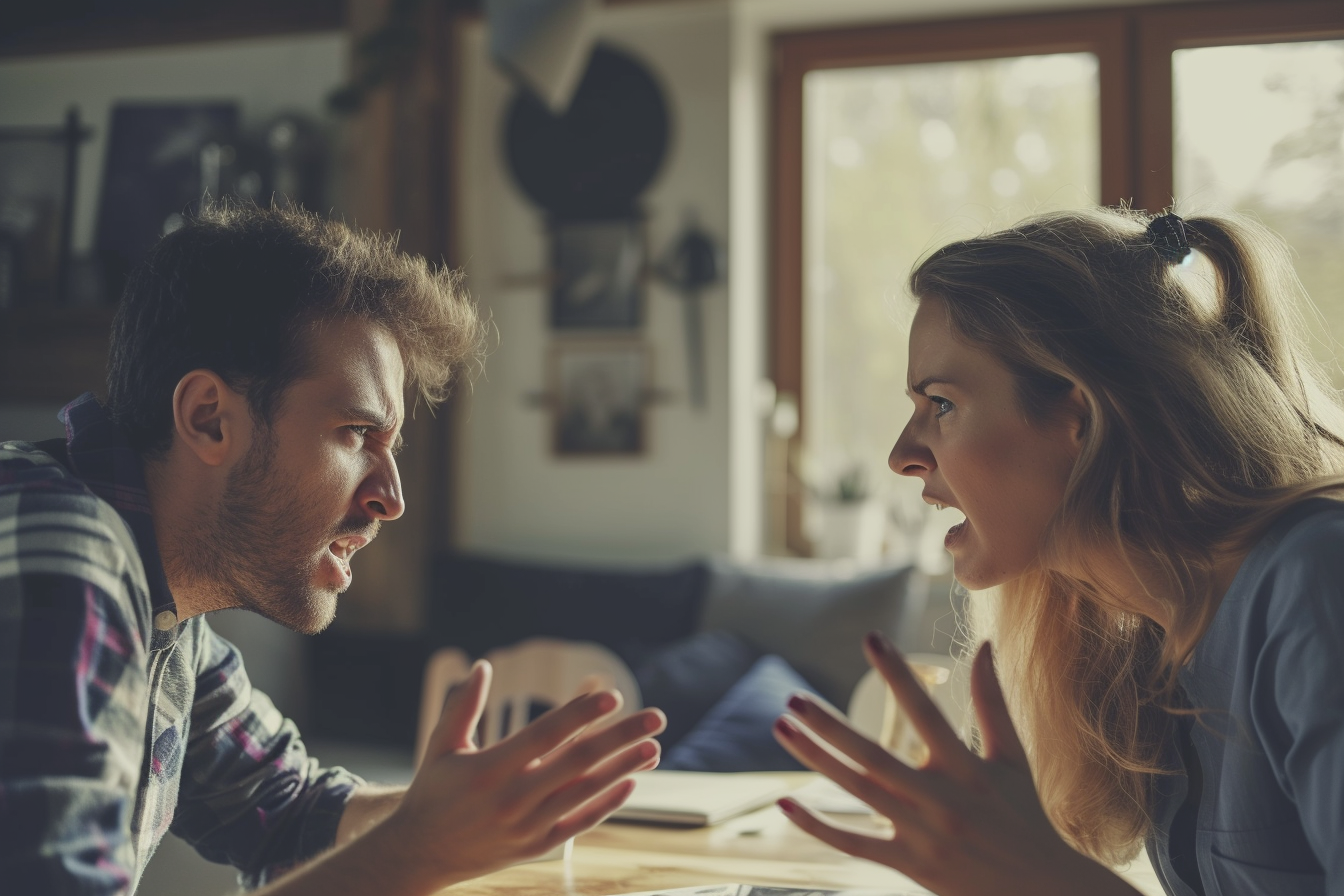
(1161, 32)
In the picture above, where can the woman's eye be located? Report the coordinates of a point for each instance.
(942, 405)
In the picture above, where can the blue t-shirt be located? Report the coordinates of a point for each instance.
(1269, 674)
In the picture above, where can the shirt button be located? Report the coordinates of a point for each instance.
(165, 620)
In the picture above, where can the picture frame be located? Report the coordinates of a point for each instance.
(599, 395)
(37, 200)
(597, 273)
(162, 158)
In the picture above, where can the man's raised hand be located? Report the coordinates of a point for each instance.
(471, 811)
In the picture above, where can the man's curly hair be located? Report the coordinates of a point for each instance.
(238, 289)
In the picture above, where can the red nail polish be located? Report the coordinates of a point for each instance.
(785, 729)
(878, 643)
(788, 805)
(797, 705)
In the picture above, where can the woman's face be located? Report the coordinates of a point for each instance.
(975, 450)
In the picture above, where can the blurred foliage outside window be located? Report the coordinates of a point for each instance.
(1260, 129)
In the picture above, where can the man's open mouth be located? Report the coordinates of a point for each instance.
(344, 548)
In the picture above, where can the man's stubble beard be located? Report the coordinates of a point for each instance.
(257, 551)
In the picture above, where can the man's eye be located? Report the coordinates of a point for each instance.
(359, 429)
(941, 404)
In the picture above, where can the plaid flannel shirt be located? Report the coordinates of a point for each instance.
(117, 722)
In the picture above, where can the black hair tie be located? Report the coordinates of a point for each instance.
(1167, 232)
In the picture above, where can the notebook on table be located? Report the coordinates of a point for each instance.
(695, 799)
(752, 890)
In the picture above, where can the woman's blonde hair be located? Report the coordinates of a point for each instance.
(1206, 416)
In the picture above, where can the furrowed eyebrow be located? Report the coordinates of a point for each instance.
(919, 387)
(380, 421)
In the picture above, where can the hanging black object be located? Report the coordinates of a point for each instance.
(692, 265)
(593, 161)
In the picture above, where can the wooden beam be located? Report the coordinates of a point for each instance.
(76, 28)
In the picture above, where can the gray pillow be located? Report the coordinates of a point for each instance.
(815, 614)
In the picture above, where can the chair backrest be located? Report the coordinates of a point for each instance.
(533, 675)
(871, 701)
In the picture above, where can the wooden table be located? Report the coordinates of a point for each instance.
(760, 848)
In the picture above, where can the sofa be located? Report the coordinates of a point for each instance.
(717, 644)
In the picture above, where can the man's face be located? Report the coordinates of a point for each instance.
(316, 485)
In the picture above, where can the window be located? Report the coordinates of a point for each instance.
(891, 141)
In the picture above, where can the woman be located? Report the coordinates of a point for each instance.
(1147, 461)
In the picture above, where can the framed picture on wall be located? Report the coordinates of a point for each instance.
(37, 201)
(599, 390)
(32, 201)
(161, 159)
(598, 273)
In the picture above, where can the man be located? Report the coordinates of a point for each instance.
(245, 452)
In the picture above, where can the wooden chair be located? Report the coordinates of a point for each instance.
(532, 675)
(873, 711)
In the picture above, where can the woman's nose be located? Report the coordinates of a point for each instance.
(909, 456)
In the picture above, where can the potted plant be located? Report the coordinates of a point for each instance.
(849, 521)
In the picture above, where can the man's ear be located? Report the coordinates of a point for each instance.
(211, 420)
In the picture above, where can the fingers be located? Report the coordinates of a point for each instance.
(583, 781)
(889, 785)
(559, 725)
(996, 725)
(596, 747)
(579, 790)
(884, 768)
(943, 743)
(590, 815)
(888, 852)
(461, 713)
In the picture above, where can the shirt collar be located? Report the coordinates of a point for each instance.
(102, 457)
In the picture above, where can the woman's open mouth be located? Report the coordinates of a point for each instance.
(953, 534)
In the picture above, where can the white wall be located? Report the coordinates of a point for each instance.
(673, 501)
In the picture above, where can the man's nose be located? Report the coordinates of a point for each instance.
(381, 495)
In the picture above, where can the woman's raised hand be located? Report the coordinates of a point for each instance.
(963, 824)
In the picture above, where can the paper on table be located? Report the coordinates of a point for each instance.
(698, 798)
(750, 890)
(824, 795)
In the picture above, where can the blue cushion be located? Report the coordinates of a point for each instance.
(735, 735)
(687, 678)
